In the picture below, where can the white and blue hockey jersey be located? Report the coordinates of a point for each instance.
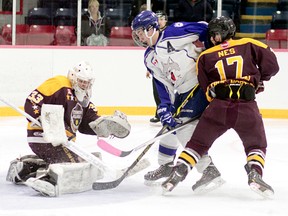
(172, 61)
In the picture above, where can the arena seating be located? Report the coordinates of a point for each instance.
(277, 38)
(51, 4)
(21, 32)
(41, 35)
(7, 31)
(65, 17)
(279, 20)
(65, 36)
(39, 16)
(117, 16)
(121, 36)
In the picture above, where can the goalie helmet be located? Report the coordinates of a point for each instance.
(222, 26)
(144, 21)
(82, 78)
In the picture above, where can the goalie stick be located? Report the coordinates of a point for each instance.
(87, 156)
(115, 183)
(121, 153)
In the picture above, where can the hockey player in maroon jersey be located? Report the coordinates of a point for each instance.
(231, 73)
(73, 92)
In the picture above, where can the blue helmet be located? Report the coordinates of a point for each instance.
(145, 20)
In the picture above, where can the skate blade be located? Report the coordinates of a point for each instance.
(153, 183)
(167, 188)
(256, 188)
(210, 186)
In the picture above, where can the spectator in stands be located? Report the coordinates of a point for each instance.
(95, 29)
(194, 11)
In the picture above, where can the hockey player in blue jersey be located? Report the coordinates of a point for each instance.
(171, 59)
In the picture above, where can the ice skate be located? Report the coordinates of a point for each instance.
(257, 184)
(178, 174)
(155, 121)
(153, 178)
(42, 186)
(210, 180)
(44, 183)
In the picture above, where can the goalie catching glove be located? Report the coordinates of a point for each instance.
(115, 125)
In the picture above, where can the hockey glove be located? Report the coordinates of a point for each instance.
(260, 87)
(165, 114)
(115, 125)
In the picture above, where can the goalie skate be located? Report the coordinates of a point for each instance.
(154, 178)
(210, 180)
(257, 184)
(43, 187)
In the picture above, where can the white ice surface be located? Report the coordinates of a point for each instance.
(132, 197)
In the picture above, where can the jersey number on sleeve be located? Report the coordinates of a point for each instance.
(35, 97)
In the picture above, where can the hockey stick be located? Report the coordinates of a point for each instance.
(115, 183)
(87, 156)
(121, 153)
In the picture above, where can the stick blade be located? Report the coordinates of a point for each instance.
(111, 149)
(107, 185)
(108, 148)
(143, 164)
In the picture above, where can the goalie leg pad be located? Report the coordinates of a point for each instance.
(23, 168)
(116, 125)
(65, 178)
(75, 177)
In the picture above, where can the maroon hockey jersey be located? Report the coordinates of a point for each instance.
(244, 60)
(58, 90)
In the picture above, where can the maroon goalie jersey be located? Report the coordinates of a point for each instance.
(246, 60)
(58, 90)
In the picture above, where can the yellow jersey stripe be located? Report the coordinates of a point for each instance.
(52, 85)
